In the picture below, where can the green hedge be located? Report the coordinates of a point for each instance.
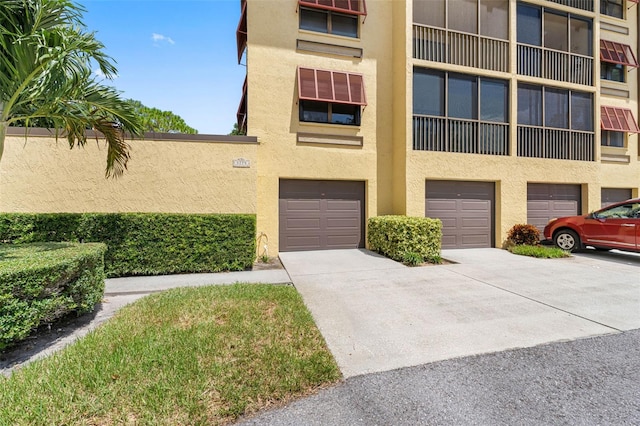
(146, 243)
(401, 237)
(42, 282)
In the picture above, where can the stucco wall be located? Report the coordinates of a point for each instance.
(172, 174)
(272, 61)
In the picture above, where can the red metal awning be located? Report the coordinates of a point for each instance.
(617, 53)
(331, 86)
(241, 32)
(241, 114)
(352, 7)
(618, 120)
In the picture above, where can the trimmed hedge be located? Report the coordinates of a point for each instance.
(42, 282)
(403, 237)
(146, 243)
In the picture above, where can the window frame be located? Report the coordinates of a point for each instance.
(605, 3)
(543, 108)
(543, 10)
(605, 138)
(608, 67)
(330, 106)
(329, 14)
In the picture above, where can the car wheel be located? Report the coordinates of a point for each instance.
(566, 239)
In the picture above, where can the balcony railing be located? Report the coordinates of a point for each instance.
(463, 136)
(578, 4)
(551, 64)
(559, 144)
(453, 47)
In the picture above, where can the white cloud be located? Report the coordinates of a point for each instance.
(161, 38)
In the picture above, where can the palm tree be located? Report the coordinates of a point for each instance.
(46, 57)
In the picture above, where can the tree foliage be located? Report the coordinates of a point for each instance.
(155, 120)
(236, 131)
(46, 58)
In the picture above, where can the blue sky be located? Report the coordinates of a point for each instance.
(177, 56)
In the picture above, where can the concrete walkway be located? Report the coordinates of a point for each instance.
(378, 315)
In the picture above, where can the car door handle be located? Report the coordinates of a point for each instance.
(627, 224)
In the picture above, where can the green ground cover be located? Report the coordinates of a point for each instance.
(186, 356)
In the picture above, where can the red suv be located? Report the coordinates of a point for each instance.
(614, 227)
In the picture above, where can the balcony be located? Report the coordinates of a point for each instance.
(559, 144)
(536, 61)
(578, 4)
(462, 136)
(453, 47)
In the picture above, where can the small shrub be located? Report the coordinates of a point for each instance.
(522, 234)
(40, 283)
(395, 236)
(412, 258)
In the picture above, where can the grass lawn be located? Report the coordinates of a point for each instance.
(545, 252)
(186, 356)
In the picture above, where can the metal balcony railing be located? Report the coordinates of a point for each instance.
(463, 136)
(578, 4)
(558, 144)
(453, 47)
(536, 61)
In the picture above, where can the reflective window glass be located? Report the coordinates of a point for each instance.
(529, 105)
(463, 96)
(529, 25)
(581, 111)
(494, 100)
(494, 18)
(556, 35)
(556, 108)
(428, 92)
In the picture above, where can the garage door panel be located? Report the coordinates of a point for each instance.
(316, 215)
(614, 195)
(466, 212)
(302, 205)
(548, 201)
(303, 224)
(474, 240)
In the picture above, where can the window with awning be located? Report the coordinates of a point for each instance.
(617, 53)
(331, 86)
(352, 7)
(618, 120)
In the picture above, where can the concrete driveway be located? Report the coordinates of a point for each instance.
(378, 315)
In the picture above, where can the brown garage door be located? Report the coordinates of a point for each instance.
(613, 195)
(321, 214)
(466, 211)
(548, 201)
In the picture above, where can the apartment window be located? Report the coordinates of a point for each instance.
(460, 113)
(330, 96)
(554, 45)
(614, 60)
(611, 138)
(555, 108)
(613, 8)
(338, 17)
(562, 31)
(615, 124)
(485, 17)
(555, 123)
(329, 22)
(612, 72)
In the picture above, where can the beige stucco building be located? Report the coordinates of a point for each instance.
(483, 113)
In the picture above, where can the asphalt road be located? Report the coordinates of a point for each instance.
(594, 381)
